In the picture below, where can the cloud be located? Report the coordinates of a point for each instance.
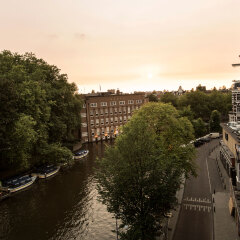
(80, 36)
(52, 36)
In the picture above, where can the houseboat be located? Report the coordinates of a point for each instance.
(18, 183)
(81, 154)
(46, 171)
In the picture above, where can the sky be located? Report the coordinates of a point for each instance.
(133, 45)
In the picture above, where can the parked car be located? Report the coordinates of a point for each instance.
(214, 135)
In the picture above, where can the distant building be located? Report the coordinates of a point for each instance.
(103, 113)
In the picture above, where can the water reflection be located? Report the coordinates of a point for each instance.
(64, 207)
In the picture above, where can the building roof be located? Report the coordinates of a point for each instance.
(233, 130)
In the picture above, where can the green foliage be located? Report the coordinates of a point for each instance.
(198, 101)
(139, 176)
(152, 98)
(39, 111)
(169, 97)
(215, 121)
(202, 103)
(199, 127)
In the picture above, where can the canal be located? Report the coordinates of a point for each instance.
(61, 208)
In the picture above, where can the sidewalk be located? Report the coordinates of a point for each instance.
(224, 224)
(174, 218)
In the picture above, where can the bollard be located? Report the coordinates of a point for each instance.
(213, 200)
(214, 191)
(214, 209)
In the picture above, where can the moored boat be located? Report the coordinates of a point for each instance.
(18, 183)
(46, 171)
(4, 195)
(81, 154)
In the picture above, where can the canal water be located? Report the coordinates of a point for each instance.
(64, 207)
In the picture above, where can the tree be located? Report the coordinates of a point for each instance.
(201, 88)
(199, 103)
(199, 127)
(139, 176)
(39, 111)
(169, 97)
(152, 98)
(215, 121)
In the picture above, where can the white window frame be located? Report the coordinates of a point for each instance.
(93, 104)
(121, 102)
(103, 104)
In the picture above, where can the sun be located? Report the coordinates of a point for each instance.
(150, 75)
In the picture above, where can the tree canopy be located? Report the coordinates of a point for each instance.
(39, 111)
(139, 176)
(215, 121)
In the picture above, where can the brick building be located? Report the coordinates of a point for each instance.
(103, 113)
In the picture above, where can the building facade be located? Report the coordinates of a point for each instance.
(103, 114)
(234, 116)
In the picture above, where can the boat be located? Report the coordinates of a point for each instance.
(18, 183)
(46, 171)
(4, 195)
(81, 154)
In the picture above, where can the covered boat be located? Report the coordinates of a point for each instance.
(4, 194)
(46, 171)
(81, 154)
(18, 183)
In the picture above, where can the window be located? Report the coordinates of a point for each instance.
(107, 120)
(103, 104)
(84, 105)
(116, 119)
(84, 124)
(129, 110)
(97, 122)
(101, 112)
(102, 121)
(98, 131)
(121, 102)
(111, 120)
(106, 111)
(93, 104)
(83, 114)
(124, 110)
(84, 134)
(130, 101)
(138, 101)
(120, 119)
(116, 110)
(103, 130)
(91, 113)
(92, 122)
(96, 112)
(226, 136)
(125, 118)
(93, 132)
(113, 103)
(111, 111)
(238, 97)
(120, 110)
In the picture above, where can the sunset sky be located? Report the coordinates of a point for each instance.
(127, 44)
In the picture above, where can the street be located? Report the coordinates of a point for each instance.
(196, 215)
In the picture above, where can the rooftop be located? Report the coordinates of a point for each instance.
(232, 128)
